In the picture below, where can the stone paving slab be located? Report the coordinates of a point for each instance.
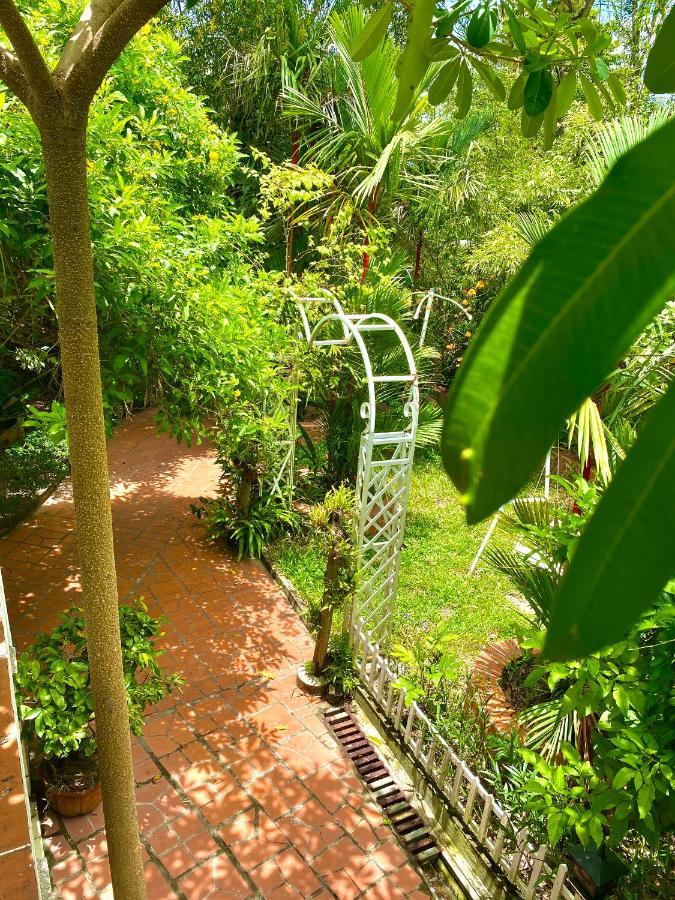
(242, 792)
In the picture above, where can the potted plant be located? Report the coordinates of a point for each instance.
(331, 530)
(56, 705)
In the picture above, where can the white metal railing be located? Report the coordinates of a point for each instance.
(524, 866)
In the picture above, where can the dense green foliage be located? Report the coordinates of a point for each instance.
(54, 690)
(182, 309)
(29, 467)
(589, 288)
(371, 152)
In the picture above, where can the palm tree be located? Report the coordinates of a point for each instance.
(450, 183)
(377, 162)
(242, 52)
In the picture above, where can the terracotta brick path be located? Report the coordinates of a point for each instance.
(241, 790)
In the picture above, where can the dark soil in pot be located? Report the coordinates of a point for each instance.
(335, 697)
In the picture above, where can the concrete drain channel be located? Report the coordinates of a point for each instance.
(406, 822)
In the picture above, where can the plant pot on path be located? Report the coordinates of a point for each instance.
(71, 789)
(69, 802)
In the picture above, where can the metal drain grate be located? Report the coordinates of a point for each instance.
(407, 824)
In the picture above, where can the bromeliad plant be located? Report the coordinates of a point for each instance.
(54, 689)
(264, 520)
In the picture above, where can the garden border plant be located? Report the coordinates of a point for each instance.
(55, 703)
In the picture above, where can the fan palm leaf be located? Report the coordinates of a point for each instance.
(613, 139)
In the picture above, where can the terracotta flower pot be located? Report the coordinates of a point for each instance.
(72, 789)
(69, 802)
(485, 677)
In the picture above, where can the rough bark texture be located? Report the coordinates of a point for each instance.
(326, 619)
(64, 146)
(245, 491)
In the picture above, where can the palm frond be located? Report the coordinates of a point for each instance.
(532, 226)
(535, 582)
(586, 422)
(546, 729)
(613, 139)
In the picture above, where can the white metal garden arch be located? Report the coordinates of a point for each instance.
(385, 457)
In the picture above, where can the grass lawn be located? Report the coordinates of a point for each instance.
(434, 582)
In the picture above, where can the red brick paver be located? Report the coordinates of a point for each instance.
(241, 790)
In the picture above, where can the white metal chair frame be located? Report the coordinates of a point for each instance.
(426, 303)
(495, 518)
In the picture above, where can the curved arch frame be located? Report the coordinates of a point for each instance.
(384, 464)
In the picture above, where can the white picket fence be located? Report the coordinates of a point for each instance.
(524, 866)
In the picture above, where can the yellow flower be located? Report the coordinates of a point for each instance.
(468, 333)
(214, 156)
(480, 285)
(471, 292)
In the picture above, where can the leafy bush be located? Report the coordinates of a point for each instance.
(340, 670)
(28, 468)
(33, 465)
(625, 778)
(264, 520)
(52, 422)
(53, 682)
(181, 307)
(428, 666)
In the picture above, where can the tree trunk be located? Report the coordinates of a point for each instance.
(247, 479)
(418, 258)
(64, 146)
(326, 620)
(372, 206)
(322, 640)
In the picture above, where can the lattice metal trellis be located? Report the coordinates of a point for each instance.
(385, 458)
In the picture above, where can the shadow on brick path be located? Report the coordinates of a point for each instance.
(241, 790)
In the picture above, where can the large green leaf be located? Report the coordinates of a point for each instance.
(413, 61)
(562, 324)
(444, 82)
(593, 100)
(660, 71)
(538, 90)
(482, 24)
(566, 92)
(372, 33)
(464, 91)
(491, 80)
(627, 553)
